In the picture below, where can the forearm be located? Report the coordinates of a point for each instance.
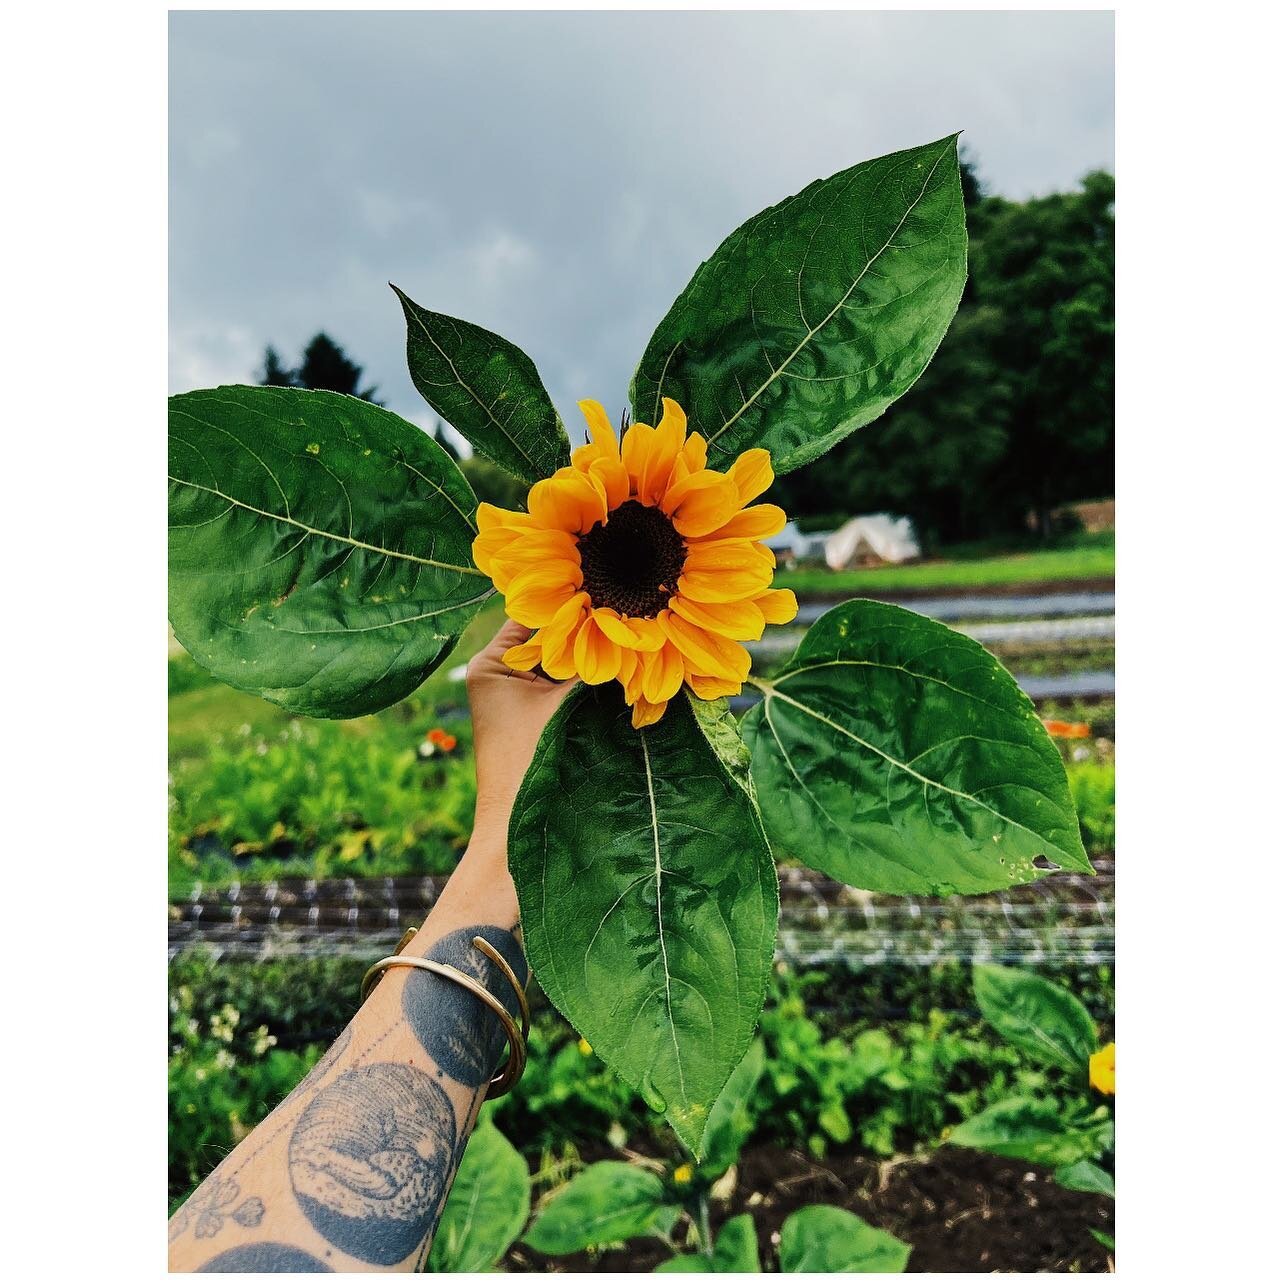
(350, 1172)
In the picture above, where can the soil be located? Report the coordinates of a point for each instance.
(962, 1211)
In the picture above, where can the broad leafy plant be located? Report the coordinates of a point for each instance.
(612, 1202)
(1049, 1025)
(322, 556)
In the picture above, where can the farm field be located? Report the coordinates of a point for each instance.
(299, 849)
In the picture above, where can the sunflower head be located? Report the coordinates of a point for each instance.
(640, 564)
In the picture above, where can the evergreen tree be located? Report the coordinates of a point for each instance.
(325, 366)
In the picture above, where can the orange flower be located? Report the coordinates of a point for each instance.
(447, 743)
(1100, 1070)
(436, 735)
(1066, 730)
(640, 564)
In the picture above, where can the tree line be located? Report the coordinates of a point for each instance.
(1013, 418)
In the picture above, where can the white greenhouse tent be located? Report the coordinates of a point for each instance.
(879, 536)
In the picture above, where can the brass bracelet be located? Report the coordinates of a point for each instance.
(507, 1078)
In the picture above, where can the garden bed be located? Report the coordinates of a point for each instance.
(961, 1210)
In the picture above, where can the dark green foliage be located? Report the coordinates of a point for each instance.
(1015, 413)
(843, 1063)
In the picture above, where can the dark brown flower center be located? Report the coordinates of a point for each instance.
(631, 560)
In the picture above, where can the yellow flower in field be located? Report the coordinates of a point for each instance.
(585, 1047)
(683, 1175)
(1101, 1070)
(640, 564)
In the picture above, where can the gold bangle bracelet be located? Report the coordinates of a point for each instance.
(506, 1079)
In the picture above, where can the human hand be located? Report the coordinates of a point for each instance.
(509, 712)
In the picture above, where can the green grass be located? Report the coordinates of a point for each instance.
(1075, 557)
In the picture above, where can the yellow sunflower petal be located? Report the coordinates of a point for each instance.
(647, 714)
(662, 673)
(700, 503)
(729, 570)
(558, 637)
(490, 517)
(752, 474)
(568, 500)
(664, 447)
(738, 620)
(535, 595)
(630, 674)
(525, 656)
(779, 605)
(759, 522)
(636, 450)
(695, 453)
(629, 632)
(612, 474)
(597, 657)
(707, 652)
(712, 687)
(600, 429)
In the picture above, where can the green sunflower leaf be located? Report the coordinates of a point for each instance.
(487, 389)
(899, 756)
(605, 1203)
(815, 315)
(1028, 1129)
(319, 547)
(1043, 1019)
(648, 898)
(487, 1206)
(831, 1240)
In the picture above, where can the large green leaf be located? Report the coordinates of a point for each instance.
(486, 388)
(810, 319)
(1042, 1019)
(1032, 1130)
(648, 898)
(831, 1240)
(605, 1203)
(319, 547)
(730, 1121)
(899, 756)
(488, 1204)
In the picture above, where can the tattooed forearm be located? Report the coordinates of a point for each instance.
(353, 1168)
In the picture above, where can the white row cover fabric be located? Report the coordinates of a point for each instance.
(886, 537)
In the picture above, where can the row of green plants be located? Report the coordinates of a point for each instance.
(609, 1202)
(242, 1036)
(376, 798)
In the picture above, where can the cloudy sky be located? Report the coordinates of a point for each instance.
(557, 177)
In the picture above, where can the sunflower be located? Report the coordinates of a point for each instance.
(640, 564)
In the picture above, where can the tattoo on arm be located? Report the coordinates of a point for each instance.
(375, 1148)
(369, 1158)
(454, 1026)
(264, 1258)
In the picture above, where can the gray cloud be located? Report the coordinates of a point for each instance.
(557, 177)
